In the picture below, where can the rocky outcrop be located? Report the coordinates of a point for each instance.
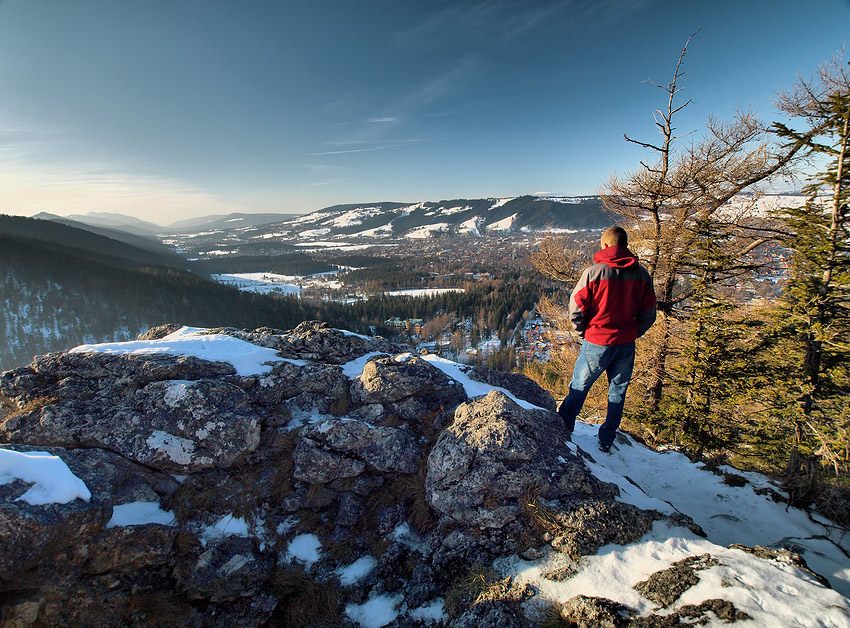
(308, 493)
(495, 452)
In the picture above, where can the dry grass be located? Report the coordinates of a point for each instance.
(542, 519)
(408, 490)
(33, 405)
(157, 608)
(244, 489)
(341, 406)
(554, 619)
(303, 602)
(480, 583)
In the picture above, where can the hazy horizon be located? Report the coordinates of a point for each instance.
(172, 110)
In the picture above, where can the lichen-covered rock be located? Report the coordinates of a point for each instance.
(384, 448)
(316, 465)
(354, 480)
(666, 586)
(314, 340)
(493, 453)
(519, 385)
(408, 387)
(496, 613)
(585, 525)
(32, 535)
(593, 612)
(227, 569)
(181, 426)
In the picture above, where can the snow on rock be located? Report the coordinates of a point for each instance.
(140, 513)
(376, 612)
(53, 482)
(246, 358)
(356, 571)
(305, 548)
(429, 461)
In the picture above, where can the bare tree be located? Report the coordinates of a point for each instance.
(676, 207)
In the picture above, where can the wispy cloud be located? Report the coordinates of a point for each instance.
(382, 120)
(494, 23)
(364, 149)
(37, 174)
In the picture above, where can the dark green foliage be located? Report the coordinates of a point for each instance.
(130, 251)
(54, 297)
(289, 264)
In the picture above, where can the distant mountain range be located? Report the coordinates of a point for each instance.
(470, 217)
(129, 224)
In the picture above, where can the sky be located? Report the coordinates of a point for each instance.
(171, 109)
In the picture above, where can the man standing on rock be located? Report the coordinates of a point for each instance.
(611, 306)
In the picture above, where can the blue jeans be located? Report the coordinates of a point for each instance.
(615, 360)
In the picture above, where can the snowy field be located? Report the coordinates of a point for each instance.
(772, 593)
(272, 283)
(422, 292)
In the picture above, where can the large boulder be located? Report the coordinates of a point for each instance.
(176, 425)
(408, 388)
(495, 452)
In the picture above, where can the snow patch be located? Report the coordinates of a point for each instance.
(356, 571)
(305, 548)
(246, 358)
(177, 449)
(53, 482)
(376, 612)
(140, 513)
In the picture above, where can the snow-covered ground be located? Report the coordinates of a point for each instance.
(246, 358)
(421, 292)
(261, 283)
(772, 593)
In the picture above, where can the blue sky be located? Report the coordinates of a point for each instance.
(167, 109)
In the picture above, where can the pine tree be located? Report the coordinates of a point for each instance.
(817, 297)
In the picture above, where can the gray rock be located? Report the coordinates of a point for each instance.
(227, 569)
(315, 465)
(178, 426)
(519, 385)
(594, 612)
(33, 536)
(409, 387)
(493, 453)
(585, 525)
(496, 613)
(314, 340)
(383, 449)
(666, 586)
(160, 331)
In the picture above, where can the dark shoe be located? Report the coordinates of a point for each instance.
(604, 448)
(569, 436)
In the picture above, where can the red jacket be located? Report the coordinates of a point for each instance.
(614, 302)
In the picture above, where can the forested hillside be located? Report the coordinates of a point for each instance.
(94, 243)
(55, 297)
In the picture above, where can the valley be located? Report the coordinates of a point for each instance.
(454, 277)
